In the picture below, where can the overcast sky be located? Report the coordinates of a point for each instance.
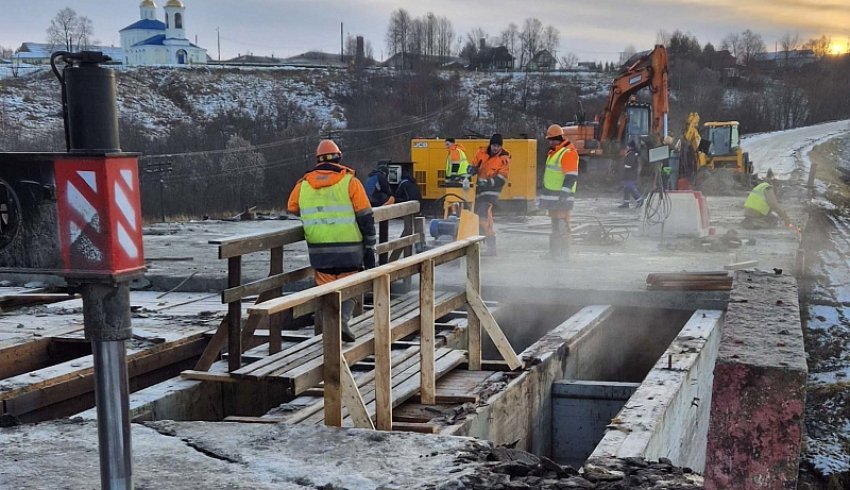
(594, 30)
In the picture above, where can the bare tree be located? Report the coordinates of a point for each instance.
(398, 32)
(243, 169)
(510, 39)
(752, 45)
(70, 32)
(445, 37)
(531, 38)
(789, 42)
(819, 45)
(551, 39)
(732, 43)
(569, 60)
(662, 37)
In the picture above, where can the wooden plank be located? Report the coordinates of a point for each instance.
(400, 361)
(746, 264)
(310, 374)
(213, 349)
(234, 316)
(266, 284)
(312, 348)
(353, 400)
(383, 359)
(208, 376)
(492, 328)
(393, 211)
(257, 242)
(364, 277)
(426, 332)
(451, 399)
(397, 244)
(473, 325)
(254, 420)
(332, 343)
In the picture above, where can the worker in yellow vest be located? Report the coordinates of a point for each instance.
(338, 223)
(560, 179)
(457, 163)
(762, 209)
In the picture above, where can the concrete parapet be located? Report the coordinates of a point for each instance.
(668, 415)
(759, 387)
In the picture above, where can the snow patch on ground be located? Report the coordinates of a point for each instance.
(787, 152)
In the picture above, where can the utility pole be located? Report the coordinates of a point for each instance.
(218, 41)
(159, 169)
(341, 56)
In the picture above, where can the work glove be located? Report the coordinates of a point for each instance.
(473, 170)
(564, 197)
(369, 257)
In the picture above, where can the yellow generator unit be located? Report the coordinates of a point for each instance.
(520, 192)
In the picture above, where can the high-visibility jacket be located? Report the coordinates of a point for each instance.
(492, 172)
(757, 200)
(457, 163)
(560, 177)
(337, 218)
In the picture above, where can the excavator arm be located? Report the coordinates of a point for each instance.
(646, 69)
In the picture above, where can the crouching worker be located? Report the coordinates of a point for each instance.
(762, 209)
(338, 223)
(378, 187)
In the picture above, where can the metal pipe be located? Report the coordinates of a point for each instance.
(665, 128)
(113, 420)
(106, 318)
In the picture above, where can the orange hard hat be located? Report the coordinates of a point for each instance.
(327, 147)
(554, 131)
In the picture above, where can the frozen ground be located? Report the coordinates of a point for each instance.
(786, 152)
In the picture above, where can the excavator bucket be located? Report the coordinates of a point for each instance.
(468, 224)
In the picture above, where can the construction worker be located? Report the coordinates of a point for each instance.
(338, 223)
(457, 164)
(560, 179)
(491, 165)
(762, 209)
(378, 187)
(631, 165)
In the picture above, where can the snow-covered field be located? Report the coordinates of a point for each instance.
(786, 152)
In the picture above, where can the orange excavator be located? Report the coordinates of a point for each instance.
(625, 119)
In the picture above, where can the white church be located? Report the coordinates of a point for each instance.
(149, 41)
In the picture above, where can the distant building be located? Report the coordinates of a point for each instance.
(778, 59)
(492, 59)
(543, 61)
(319, 58)
(250, 59)
(149, 41)
(410, 60)
(39, 53)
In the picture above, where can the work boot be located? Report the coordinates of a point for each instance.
(639, 203)
(625, 205)
(345, 312)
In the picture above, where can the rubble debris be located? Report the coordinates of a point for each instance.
(509, 468)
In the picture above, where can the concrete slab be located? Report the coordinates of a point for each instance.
(192, 455)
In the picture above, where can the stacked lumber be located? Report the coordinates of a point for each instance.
(689, 281)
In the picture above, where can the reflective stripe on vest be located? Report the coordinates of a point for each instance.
(553, 176)
(330, 225)
(454, 168)
(757, 201)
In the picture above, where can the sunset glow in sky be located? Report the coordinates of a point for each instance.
(596, 30)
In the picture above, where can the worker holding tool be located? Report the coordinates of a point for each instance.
(338, 223)
(378, 187)
(457, 163)
(560, 179)
(762, 209)
(491, 165)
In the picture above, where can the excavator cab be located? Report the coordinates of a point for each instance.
(637, 123)
(725, 146)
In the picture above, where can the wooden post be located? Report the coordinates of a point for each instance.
(419, 229)
(275, 321)
(473, 282)
(426, 333)
(234, 316)
(353, 399)
(408, 250)
(383, 237)
(383, 355)
(330, 305)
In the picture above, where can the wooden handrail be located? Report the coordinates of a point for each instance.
(365, 277)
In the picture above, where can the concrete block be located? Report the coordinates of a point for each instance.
(759, 392)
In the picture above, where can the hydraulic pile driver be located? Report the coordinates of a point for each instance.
(77, 214)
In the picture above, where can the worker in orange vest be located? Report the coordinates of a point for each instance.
(491, 165)
(338, 223)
